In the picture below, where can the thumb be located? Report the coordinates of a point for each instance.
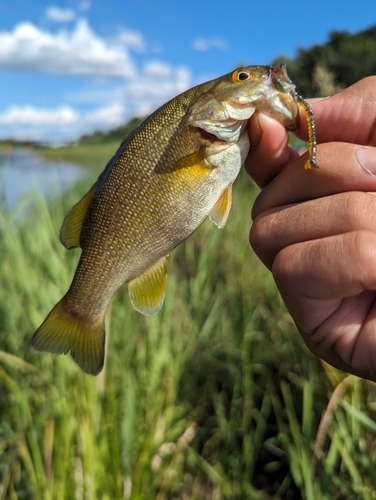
(269, 151)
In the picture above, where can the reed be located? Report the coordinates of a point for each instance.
(215, 397)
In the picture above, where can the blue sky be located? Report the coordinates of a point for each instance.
(74, 66)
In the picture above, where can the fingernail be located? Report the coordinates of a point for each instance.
(255, 131)
(366, 157)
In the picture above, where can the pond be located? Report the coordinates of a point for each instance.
(25, 173)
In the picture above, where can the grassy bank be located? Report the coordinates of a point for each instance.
(215, 397)
(93, 156)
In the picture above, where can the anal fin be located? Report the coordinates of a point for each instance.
(219, 213)
(71, 229)
(147, 291)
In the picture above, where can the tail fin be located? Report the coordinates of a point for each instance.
(61, 333)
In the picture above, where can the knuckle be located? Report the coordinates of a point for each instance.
(257, 234)
(359, 210)
(362, 248)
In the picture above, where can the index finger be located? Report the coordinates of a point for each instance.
(348, 116)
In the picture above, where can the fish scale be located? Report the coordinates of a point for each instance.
(167, 177)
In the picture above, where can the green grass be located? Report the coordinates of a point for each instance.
(215, 397)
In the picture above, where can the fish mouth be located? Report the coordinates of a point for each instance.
(280, 79)
(282, 101)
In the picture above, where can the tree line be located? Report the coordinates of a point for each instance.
(325, 69)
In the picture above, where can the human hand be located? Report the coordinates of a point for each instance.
(316, 229)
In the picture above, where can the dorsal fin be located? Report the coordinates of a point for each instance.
(71, 229)
(221, 209)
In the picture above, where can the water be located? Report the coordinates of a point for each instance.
(26, 174)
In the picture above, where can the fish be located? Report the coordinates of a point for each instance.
(169, 175)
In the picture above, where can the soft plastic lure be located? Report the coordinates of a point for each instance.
(311, 162)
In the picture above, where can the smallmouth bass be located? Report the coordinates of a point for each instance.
(175, 170)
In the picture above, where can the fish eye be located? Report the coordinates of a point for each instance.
(240, 75)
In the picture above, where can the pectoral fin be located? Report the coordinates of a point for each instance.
(221, 209)
(147, 291)
(71, 229)
(194, 160)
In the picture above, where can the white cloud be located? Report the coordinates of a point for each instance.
(132, 39)
(158, 69)
(78, 52)
(204, 44)
(57, 125)
(38, 124)
(32, 116)
(104, 103)
(158, 83)
(155, 85)
(60, 15)
(106, 117)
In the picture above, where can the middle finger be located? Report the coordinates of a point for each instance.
(315, 219)
(342, 168)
